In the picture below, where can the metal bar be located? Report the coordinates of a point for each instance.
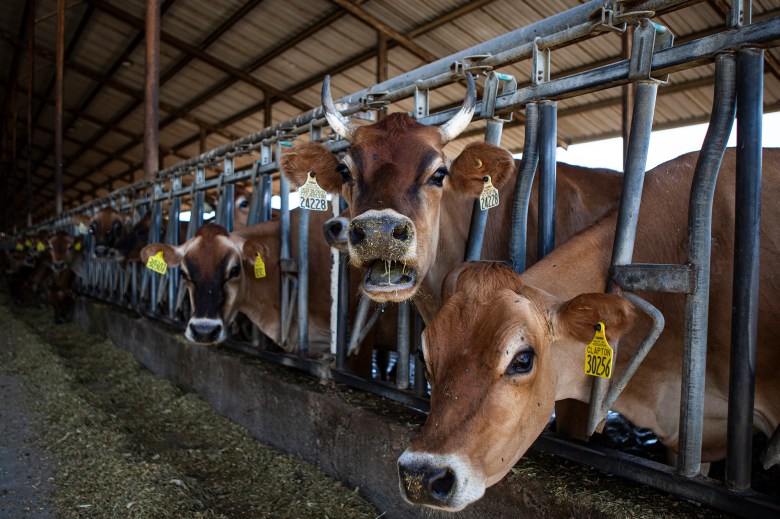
(284, 251)
(59, 93)
(699, 247)
(342, 322)
(402, 363)
(747, 228)
(155, 233)
(30, 83)
(152, 91)
(227, 203)
(420, 384)
(359, 323)
(303, 282)
(548, 132)
(628, 209)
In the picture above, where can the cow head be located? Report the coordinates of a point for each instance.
(498, 355)
(63, 247)
(393, 177)
(107, 226)
(128, 247)
(215, 266)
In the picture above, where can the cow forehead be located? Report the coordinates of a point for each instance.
(483, 332)
(376, 148)
(208, 254)
(106, 217)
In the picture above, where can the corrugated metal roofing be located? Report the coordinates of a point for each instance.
(288, 45)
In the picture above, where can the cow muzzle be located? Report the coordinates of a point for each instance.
(440, 481)
(335, 231)
(384, 242)
(205, 330)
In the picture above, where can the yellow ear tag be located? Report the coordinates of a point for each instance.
(259, 267)
(19, 246)
(40, 247)
(313, 197)
(157, 264)
(489, 196)
(598, 354)
(83, 228)
(77, 246)
(28, 244)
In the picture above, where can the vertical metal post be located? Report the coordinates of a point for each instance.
(342, 323)
(284, 246)
(627, 94)
(268, 118)
(30, 83)
(518, 243)
(402, 363)
(59, 93)
(548, 143)
(381, 66)
(152, 91)
(303, 282)
(173, 238)
(155, 233)
(628, 210)
(420, 385)
(699, 247)
(747, 228)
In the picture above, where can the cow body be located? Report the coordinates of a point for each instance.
(505, 347)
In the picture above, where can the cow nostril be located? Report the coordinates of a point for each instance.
(335, 228)
(356, 235)
(441, 483)
(401, 232)
(215, 333)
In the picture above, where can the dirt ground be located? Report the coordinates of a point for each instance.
(109, 439)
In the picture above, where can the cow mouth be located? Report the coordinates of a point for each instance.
(389, 276)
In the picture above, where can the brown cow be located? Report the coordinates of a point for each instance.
(219, 271)
(411, 208)
(107, 227)
(67, 259)
(505, 347)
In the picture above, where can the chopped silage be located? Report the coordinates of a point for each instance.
(126, 443)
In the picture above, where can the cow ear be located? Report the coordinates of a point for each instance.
(171, 255)
(251, 248)
(475, 162)
(312, 156)
(578, 317)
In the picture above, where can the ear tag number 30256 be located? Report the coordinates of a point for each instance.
(157, 263)
(598, 354)
(313, 197)
(489, 196)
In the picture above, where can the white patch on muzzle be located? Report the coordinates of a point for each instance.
(205, 322)
(469, 483)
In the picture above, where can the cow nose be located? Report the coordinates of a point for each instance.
(386, 236)
(205, 331)
(335, 231)
(101, 251)
(59, 265)
(426, 484)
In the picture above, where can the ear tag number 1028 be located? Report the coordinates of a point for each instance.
(313, 197)
(598, 354)
(489, 196)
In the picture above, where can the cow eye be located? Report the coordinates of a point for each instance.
(343, 170)
(522, 363)
(235, 271)
(437, 179)
(243, 204)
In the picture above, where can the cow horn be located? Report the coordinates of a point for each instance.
(338, 122)
(461, 120)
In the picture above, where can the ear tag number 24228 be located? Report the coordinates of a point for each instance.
(157, 263)
(489, 196)
(313, 197)
(598, 354)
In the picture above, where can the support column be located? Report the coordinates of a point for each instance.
(267, 112)
(152, 93)
(627, 94)
(381, 66)
(30, 80)
(59, 92)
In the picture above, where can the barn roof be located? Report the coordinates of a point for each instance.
(229, 67)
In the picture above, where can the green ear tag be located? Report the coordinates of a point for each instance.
(259, 267)
(40, 247)
(77, 246)
(313, 197)
(19, 246)
(28, 244)
(157, 263)
(489, 196)
(598, 354)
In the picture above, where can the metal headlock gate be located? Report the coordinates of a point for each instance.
(738, 57)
